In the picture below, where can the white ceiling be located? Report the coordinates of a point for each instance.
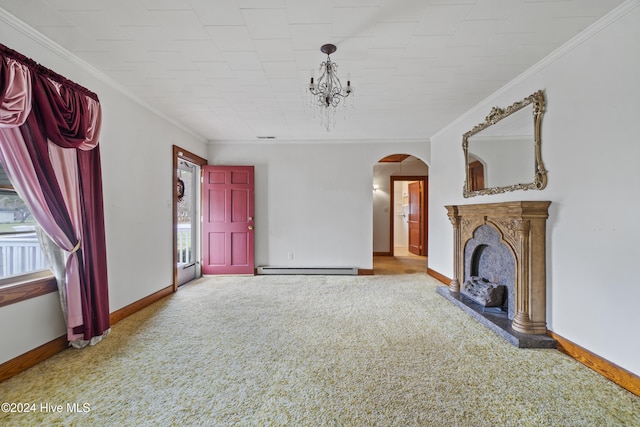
(238, 69)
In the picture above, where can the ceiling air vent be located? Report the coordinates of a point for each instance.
(266, 137)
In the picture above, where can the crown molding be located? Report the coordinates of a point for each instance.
(567, 47)
(341, 141)
(65, 54)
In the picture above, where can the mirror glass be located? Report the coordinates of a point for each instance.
(503, 153)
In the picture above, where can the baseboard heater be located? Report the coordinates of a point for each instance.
(336, 271)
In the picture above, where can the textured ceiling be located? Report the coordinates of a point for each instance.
(231, 70)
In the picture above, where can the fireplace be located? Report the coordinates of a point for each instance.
(503, 244)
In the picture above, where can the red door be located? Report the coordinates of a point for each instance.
(415, 218)
(227, 220)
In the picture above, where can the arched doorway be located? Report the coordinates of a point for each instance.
(400, 221)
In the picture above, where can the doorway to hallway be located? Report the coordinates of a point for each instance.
(400, 206)
(408, 225)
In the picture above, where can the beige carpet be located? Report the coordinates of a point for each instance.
(313, 351)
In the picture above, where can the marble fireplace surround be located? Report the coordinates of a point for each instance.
(522, 227)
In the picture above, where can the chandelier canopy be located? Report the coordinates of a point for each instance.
(328, 92)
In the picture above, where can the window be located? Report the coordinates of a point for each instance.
(20, 251)
(23, 268)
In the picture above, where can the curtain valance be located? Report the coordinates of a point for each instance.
(70, 114)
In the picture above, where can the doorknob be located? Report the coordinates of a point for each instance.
(250, 227)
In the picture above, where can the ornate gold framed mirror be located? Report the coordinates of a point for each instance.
(503, 153)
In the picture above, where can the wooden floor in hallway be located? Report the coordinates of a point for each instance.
(403, 262)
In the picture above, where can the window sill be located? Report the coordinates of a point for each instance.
(27, 286)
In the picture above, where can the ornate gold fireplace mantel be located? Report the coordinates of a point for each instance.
(522, 226)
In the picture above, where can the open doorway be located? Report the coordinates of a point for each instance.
(400, 199)
(186, 216)
(408, 221)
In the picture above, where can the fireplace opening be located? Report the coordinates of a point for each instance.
(489, 277)
(475, 260)
(487, 292)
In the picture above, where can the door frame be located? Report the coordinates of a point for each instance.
(423, 215)
(179, 153)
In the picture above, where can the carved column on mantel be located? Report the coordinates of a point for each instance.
(522, 226)
(458, 261)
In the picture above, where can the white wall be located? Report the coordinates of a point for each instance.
(590, 148)
(314, 199)
(136, 163)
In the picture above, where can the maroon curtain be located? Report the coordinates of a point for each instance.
(64, 113)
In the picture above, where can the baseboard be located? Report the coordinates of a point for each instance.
(23, 362)
(128, 310)
(307, 270)
(382, 254)
(611, 371)
(365, 272)
(39, 354)
(441, 277)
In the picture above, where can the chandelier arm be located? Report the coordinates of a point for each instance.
(338, 86)
(320, 82)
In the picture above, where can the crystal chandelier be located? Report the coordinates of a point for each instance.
(327, 94)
